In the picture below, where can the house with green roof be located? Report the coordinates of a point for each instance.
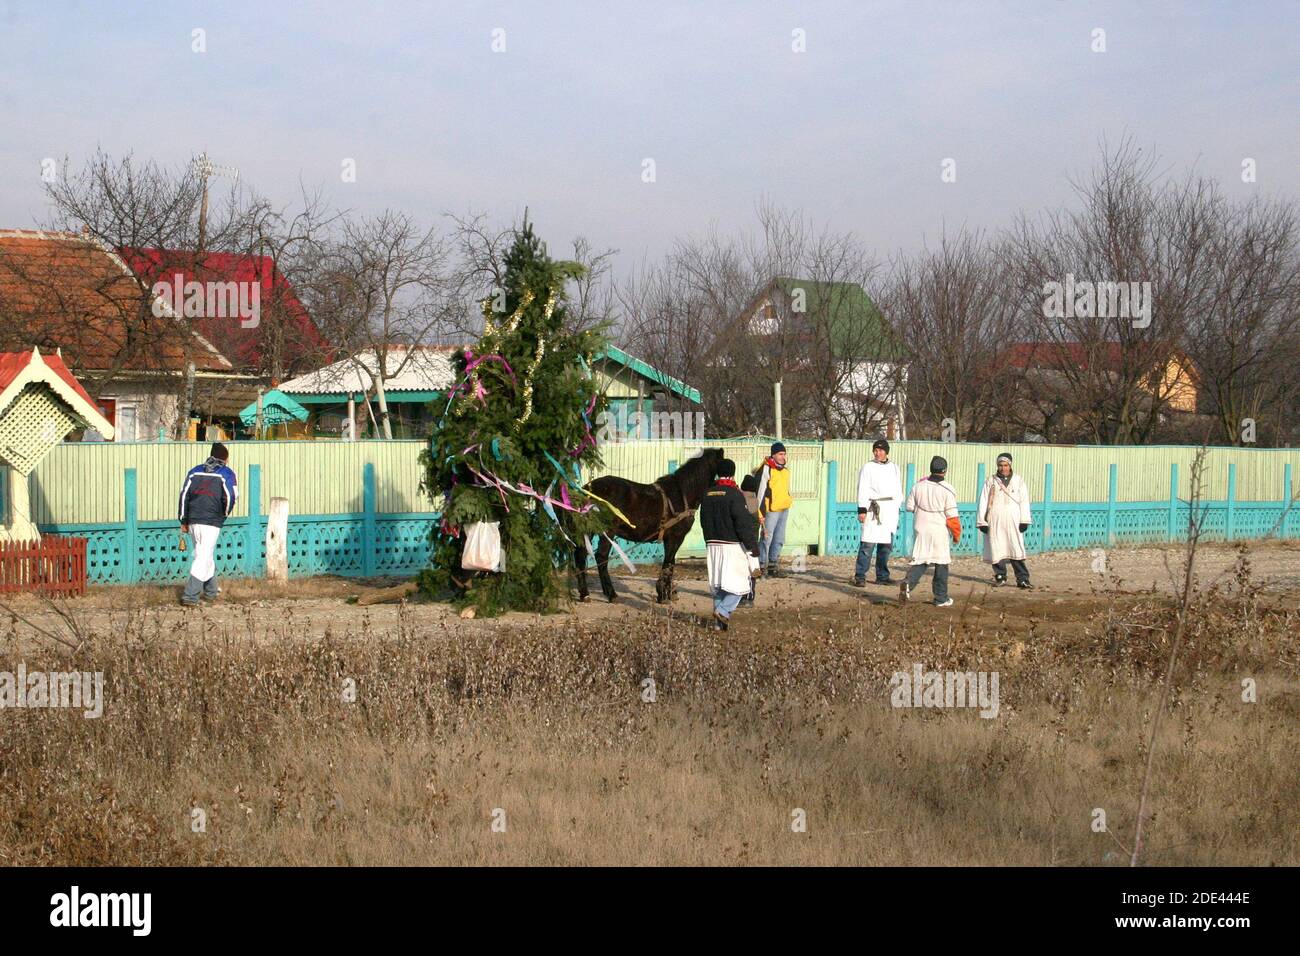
(843, 340)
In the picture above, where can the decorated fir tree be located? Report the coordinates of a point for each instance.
(516, 441)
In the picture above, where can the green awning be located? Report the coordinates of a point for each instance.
(341, 398)
(277, 408)
(645, 370)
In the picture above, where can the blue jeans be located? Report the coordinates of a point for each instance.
(769, 546)
(196, 589)
(883, 552)
(1021, 569)
(724, 602)
(940, 582)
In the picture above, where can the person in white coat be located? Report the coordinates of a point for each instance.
(934, 502)
(731, 537)
(880, 497)
(1003, 517)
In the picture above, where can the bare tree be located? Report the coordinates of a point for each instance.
(1244, 333)
(382, 286)
(782, 304)
(593, 298)
(951, 307)
(667, 324)
(286, 242)
(1136, 248)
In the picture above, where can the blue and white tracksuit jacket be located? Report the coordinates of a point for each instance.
(208, 494)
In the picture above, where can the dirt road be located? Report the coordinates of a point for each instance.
(310, 608)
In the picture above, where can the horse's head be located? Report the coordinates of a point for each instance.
(713, 457)
(705, 460)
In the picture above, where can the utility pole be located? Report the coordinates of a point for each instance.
(776, 400)
(206, 170)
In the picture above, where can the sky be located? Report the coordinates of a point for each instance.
(556, 107)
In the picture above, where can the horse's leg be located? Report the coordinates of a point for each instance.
(580, 564)
(664, 589)
(603, 549)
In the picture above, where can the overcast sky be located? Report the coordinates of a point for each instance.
(853, 131)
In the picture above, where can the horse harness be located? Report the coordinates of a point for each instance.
(667, 515)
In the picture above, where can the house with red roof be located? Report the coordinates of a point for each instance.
(137, 358)
(250, 312)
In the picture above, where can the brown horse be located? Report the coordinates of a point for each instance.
(661, 511)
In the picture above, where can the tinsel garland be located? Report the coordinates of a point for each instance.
(528, 382)
(537, 360)
(473, 385)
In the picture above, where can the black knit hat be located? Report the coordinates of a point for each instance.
(777, 448)
(220, 452)
(881, 444)
(938, 465)
(726, 468)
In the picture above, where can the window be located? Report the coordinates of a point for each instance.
(125, 425)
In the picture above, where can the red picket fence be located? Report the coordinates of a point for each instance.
(55, 566)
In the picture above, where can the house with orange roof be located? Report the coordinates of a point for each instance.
(67, 294)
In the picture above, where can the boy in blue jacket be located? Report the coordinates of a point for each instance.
(208, 496)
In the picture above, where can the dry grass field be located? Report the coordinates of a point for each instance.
(532, 741)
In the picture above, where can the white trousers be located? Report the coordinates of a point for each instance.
(205, 550)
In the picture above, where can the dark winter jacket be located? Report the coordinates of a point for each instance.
(724, 517)
(208, 494)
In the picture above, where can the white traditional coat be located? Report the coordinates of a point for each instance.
(933, 503)
(1003, 508)
(879, 482)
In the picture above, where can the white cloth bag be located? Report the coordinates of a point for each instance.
(483, 547)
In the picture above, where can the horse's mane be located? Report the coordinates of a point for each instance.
(695, 473)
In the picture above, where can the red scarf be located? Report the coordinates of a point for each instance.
(771, 464)
(729, 482)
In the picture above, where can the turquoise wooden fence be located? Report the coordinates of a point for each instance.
(368, 542)
(364, 544)
(1065, 526)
